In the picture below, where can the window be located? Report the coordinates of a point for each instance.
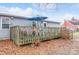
(5, 23)
(45, 24)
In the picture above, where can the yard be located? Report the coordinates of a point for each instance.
(57, 46)
(51, 47)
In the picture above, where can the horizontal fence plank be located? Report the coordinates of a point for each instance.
(28, 34)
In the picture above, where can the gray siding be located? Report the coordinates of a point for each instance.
(53, 25)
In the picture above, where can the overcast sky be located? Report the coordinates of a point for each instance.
(54, 12)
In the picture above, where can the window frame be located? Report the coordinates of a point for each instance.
(2, 23)
(44, 24)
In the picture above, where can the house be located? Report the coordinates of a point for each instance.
(46, 22)
(8, 20)
(71, 24)
(52, 23)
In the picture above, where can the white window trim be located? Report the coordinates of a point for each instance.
(1, 23)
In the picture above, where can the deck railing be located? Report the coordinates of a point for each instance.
(27, 34)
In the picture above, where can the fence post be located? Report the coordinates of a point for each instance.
(17, 35)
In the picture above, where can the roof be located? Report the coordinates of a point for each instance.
(53, 22)
(28, 18)
(38, 18)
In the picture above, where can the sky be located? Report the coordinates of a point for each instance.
(54, 11)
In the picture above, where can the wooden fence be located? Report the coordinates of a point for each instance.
(24, 34)
(66, 33)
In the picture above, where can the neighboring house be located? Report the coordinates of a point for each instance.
(8, 20)
(71, 24)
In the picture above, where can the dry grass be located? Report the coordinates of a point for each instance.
(76, 34)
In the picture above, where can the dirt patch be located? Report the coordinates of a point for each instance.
(52, 47)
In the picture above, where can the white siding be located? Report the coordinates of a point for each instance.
(0, 23)
(21, 22)
(53, 25)
(5, 33)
